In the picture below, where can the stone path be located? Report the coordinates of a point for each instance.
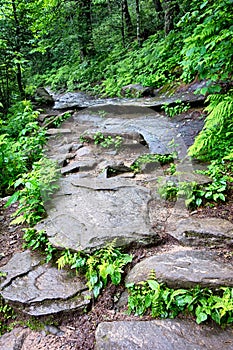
(101, 199)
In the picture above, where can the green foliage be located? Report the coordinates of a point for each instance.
(36, 188)
(215, 140)
(179, 108)
(207, 51)
(107, 141)
(38, 240)
(195, 195)
(60, 119)
(21, 143)
(7, 315)
(160, 301)
(100, 267)
(214, 144)
(162, 159)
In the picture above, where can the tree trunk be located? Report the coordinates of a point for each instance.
(18, 49)
(158, 6)
(170, 10)
(127, 18)
(138, 22)
(85, 28)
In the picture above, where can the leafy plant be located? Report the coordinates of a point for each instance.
(158, 300)
(7, 314)
(151, 158)
(21, 143)
(179, 108)
(38, 240)
(214, 141)
(36, 188)
(107, 141)
(60, 119)
(194, 194)
(104, 264)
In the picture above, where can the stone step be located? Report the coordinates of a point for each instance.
(39, 289)
(185, 268)
(161, 335)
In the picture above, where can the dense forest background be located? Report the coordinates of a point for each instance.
(100, 46)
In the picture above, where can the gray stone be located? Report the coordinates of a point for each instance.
(147, 168)
(54, 330)
(77, 303)
(41, 289)
(42, 283)
(161, 335)
(137, 90)
(185, 268)
(209, 232)
(85, 218)
(19, 264)
(83, 165)
(51, 132)
(187, 177)
(79, 99)
(83, 151)
(111, 184)
(14, 340)
(44, 95)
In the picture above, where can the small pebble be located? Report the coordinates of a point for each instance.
(54, 330)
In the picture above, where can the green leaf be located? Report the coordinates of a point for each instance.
(198, 201)
(12, 199)
(116, 278)
(97, 289)
(154, 285)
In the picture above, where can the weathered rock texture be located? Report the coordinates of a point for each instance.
(41, 289)
(184, 268)
(94, 212)
(161, 335)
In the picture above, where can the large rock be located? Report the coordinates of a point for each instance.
(184, 268)
(14, 340)
(79, 99)
(161, 335)
(136, 90)
(194, 231)
(44, 96)
(88, 213)
(42, 289)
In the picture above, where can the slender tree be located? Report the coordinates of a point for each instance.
(138, 17)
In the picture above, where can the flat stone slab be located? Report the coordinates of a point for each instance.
(194, 231)
(184, 268)
(42, 289)
(161, 335)
(79, 166)
(19, 264)
(88, 217)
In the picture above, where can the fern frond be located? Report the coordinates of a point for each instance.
(217, 128)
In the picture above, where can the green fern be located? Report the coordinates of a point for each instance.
(214, 141)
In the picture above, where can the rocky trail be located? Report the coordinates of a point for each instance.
(100, 200)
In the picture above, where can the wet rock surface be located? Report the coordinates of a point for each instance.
(81, 100)
(161, 335)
